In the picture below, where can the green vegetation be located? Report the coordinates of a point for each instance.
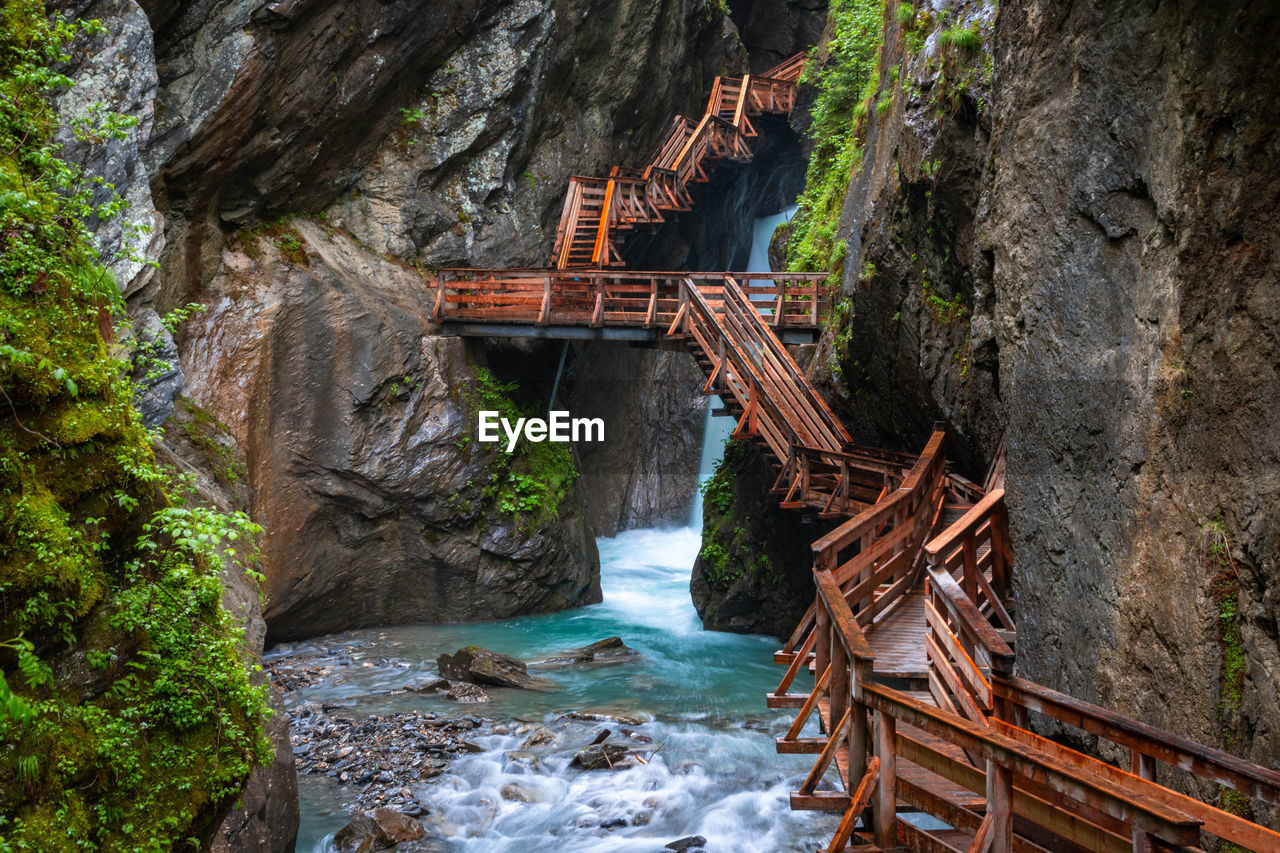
(847, 85)
(103, 570)
(945, 311)
(731, 548)
(963, 38)
(531, 483)
(1224, 587)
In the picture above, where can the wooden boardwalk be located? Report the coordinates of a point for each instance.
(910, 640)
(599, 212)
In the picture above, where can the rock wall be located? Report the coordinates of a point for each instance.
(1136, 315)
(358, 433)
(645, 472)
(265, 817)
(1069, 233)
(449, 144)
(754, 574)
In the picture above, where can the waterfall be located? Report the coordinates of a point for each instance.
(716, 431)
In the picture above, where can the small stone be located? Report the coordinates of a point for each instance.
(467, 693)
(501, 730)
(541, 736)
(688, 842)
(516, 794)
(642, 818)
(438, 685)
(613, 823)
(602, 756)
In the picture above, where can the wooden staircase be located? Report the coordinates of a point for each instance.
(598, 212)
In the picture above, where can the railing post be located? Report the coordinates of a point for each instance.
(859, 731)
(885, 804)
(1141, 764)
(969, 581)
(838, 691)
(822, 648)
(1000, 807)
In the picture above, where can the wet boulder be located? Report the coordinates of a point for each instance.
(481, 666)
(690, 842)
(379, 829)
(602, 756)
(610, 650)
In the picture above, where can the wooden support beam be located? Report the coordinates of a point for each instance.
(885, 805)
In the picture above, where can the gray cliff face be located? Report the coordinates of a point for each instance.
(1136, 314)
(449, 144)
(355, 421)
(753, 574)
(115, 72)
(1101, 204)
(645, 472)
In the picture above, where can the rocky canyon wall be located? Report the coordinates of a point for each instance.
(1065, 232)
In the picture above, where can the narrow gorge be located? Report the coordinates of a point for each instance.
(934, 346)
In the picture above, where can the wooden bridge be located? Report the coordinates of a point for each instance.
(598, 212)
(919, 725)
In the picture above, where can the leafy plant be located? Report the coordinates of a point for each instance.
(847, 83)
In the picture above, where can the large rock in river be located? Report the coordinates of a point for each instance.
(482, 666)
(379, 508)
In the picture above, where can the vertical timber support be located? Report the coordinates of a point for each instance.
(839, 692)
(885, 804)
(1000, 807)
(859, 729)
(822, 651)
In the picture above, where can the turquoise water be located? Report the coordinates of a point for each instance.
(716, 775)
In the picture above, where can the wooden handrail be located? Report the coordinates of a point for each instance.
(1116, 800)
(963, 608)
(1207, 762)
(966, 525)
(842, 618)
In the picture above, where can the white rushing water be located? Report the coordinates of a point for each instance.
(699, 696)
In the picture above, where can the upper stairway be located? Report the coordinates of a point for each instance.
(598, 212)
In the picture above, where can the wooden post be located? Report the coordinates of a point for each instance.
(859, 732)
(438, 313)
(838, 690)
(970, 579)
(822, 648)
(544, 316)
(885, 804)
(1141, 764)
(1000, 807)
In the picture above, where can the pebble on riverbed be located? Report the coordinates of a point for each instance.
(377, 756)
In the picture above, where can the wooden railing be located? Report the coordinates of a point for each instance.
(598, 210)
(622, 297)
(1038, 795)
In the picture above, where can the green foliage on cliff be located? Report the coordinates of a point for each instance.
(531, 483)
(846, 84)
(106, 580)
(730, 551)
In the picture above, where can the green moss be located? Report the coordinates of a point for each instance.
(95, 553)
(730, 550)
(847, 83)
(944, 310)
(531, 483)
